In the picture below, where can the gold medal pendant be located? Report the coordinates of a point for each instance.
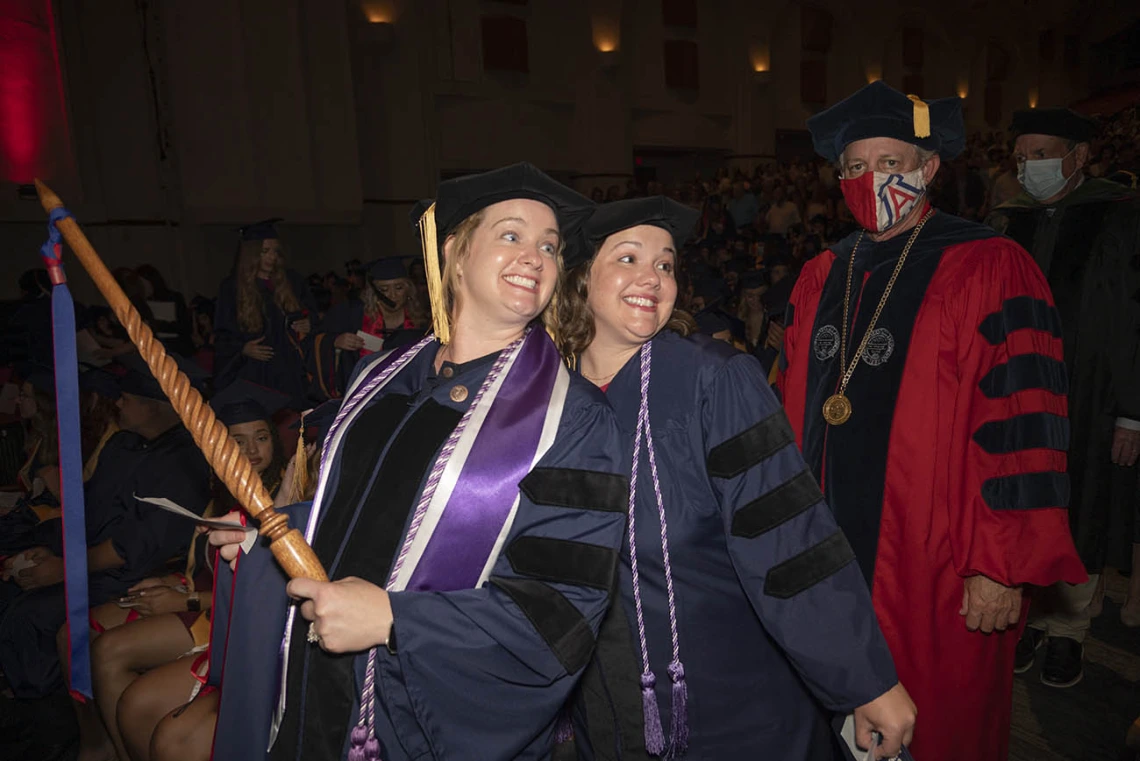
(837, 409)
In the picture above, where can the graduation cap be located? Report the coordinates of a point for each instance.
(776, 299)
(459, 198)
(320, 418)
(1058, 122)
(675, 218)
(879, 110)
(266, 229)
(42, 377)
(387, 268)
(711, 289)
(245, 402)
(100, 382)
(138, 380)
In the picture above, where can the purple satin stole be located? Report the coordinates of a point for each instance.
(488, 484)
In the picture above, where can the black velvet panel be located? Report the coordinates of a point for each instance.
(578, 489)
(750, 447)
(565, 630)
(369, 517)
(850, 460)
(808, 568)
(1033, 430)
(1027, 491)
(789, 315)
(1019, 313)
(1024, 372)
(563, 561)
(608, 703)
(777, 506)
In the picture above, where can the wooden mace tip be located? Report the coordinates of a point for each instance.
(48, 199)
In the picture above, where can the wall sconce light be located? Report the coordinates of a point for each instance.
(379, 11)
(874, 72)
(761, 59)
(1033, 97)
(963, 89)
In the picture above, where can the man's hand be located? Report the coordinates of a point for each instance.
(1125, 446)
(257, 350)
(775, 336)
(988, 605)
(892, 715)
(349, 615)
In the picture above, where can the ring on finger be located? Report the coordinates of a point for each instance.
(312, 636)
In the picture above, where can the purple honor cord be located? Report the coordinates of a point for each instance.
(679, 725)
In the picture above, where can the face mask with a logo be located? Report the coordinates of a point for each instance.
(1043, 178)
(878, 200)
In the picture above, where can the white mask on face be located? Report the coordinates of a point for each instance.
(1043, 178)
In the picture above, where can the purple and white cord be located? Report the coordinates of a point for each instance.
(679, 725)
(364, 745)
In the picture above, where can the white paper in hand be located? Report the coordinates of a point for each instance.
(173, 507)
(20, 562)
(371, 343)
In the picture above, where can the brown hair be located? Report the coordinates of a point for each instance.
(250, 309)
(43, 436)
(97, 413)
(576, 319)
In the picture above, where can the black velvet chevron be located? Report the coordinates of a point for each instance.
(1033, 430)
(1018, 313)
(579, 489)
(564, 630)
(750, 447)
(1024, 372)
(1027, 491)
(563, 561)
(777, 506)
(808, 568)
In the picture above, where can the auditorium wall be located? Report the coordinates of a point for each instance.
(174, 122)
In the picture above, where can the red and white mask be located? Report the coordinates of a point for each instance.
(878, 200)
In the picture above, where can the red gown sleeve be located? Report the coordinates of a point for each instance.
(1004, 383)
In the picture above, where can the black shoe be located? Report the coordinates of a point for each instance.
(1062, 666)
(1027, 648)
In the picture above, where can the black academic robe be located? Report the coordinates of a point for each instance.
(477, 673)
(286, 371)
(144, 536)
(775, 623)
(1088, 246)
(331, 368)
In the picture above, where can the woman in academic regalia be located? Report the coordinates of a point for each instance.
(468, 512)
(388, 309)
(742, 612)
(159, 627)
(264, 319)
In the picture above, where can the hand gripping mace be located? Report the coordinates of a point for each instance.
(222, 452)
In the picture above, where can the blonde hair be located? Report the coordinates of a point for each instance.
(413, 307)
(250, 307)
(463, 234)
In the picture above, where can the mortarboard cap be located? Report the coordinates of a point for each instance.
(245, 402)
(675, 218)
(100, 382)
(776, 299)
(320, 418)
(879, 110)
(459, 198)
(266, 229)
(1058, 122)
(711, 289)
(138, 380)
(387, 268)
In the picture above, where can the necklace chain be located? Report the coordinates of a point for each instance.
(878, 309)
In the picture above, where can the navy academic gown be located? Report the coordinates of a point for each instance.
(285, 372)
(476, 674)
(144, 536)
(775, 623)
(332, 368)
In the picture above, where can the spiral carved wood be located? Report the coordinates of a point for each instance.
(221, 451)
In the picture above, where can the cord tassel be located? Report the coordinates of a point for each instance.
(654, 736)
(679, 720)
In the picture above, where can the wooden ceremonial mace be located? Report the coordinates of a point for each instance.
(222, 452)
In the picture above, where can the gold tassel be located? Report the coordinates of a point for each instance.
(301, 465)
(440, 320)
(921, 116)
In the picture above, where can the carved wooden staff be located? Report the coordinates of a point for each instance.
(222, 452)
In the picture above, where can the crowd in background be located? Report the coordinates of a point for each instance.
(756, 231)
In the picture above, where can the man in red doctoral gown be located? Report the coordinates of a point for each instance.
(923, 376)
